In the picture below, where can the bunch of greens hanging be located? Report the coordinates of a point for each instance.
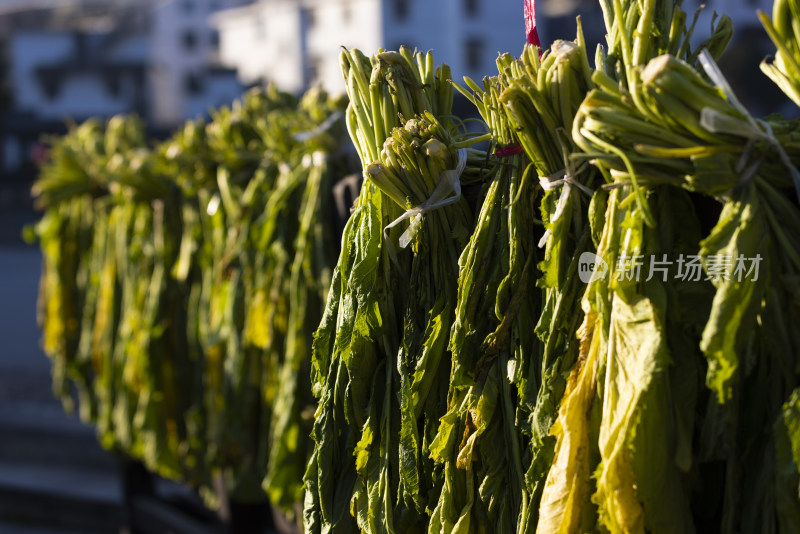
(381, 364)
(677, 124)
(507, 375)
(180, 288)
(542, 101)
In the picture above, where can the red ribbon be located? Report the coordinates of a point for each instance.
(508, 151)
(530, 23)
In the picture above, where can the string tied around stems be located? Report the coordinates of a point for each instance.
(751, 128)
(446, 192)
(563, 178)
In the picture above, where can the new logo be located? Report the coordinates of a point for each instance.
(591, 267)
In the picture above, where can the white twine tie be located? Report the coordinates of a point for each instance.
(755, 130)
(558, 179)
(449, 181)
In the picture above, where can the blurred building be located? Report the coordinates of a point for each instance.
(57, 75)
(157, 58)
(171, 60)
(296, 43)
(186, 77)
(70, 60)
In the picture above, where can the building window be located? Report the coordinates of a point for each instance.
(401, 9)
(313, 70)
(473, 53)
(309, 17)
(347, 13)
(51, 85)
(113, 84)
(189, 40)
(471, 7)
(192, 83)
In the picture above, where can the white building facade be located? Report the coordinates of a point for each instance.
(57, 76)
(183, 45)
(296, 43)
(156, 58)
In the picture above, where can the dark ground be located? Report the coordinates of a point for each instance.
(42, 450)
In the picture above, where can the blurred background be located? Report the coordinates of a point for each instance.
(168, 61)
(63, 61)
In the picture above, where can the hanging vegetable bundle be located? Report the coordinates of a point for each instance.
(180, 289)
(381, 364)
(504, 371)
(655, 126)
(626, 414)
(601, 339)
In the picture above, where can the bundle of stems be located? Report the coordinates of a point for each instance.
(478, 443)
(541, 101)
(637, 365)
(182, 309)
(708, 143)
(380, 357)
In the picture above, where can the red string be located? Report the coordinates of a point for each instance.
(530, 24)
(508, 151)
